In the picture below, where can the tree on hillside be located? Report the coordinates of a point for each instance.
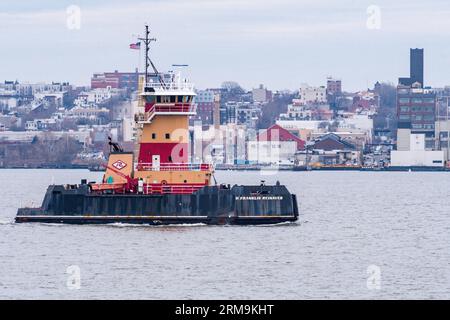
(387, 113)
(388, 95)
(272, 110)
(46, 150)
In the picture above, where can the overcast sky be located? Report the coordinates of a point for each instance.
(280, 43)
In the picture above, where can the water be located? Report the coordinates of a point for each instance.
(398, 222)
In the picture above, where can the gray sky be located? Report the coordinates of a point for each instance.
(281, 43)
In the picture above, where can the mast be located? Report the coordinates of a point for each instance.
(148, 61)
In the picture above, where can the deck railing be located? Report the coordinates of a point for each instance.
(171, 86)
(166, 108)
(174, 167)
(171, 189)
(173, 108)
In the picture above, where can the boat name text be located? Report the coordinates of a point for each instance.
(259, 198)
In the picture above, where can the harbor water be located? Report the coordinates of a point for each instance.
(361, 235)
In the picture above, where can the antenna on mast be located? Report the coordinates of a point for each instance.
(148, 61)
(178, 73)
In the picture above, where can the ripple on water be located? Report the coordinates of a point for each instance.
(349, 221)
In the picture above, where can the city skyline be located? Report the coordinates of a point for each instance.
(280, 44)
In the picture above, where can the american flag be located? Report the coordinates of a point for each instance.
(135, 46)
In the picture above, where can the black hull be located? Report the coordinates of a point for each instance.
(157, 221)
(239, 205)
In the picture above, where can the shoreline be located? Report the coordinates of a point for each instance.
(234, 168)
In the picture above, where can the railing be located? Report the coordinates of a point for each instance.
(173, 108)
(174, 167)
(171, 189)
(154, 109)
(171, 86)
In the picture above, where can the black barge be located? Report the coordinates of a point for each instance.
(212, 205)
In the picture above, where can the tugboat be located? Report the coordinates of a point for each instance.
(156, 184)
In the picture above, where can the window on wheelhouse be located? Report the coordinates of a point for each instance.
(187, 99)
(150, 99)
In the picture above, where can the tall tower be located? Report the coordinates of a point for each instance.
(415, 69)
(416, 66)
(216, 111)
(416, 105)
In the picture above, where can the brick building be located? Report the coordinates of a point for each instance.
(122, 80)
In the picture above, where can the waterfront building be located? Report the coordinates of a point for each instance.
(416, 104)
(278, 133)
(274, 145)
(359, 139)
(412, 151)
(358, 126)
(442, 134)
(416, 110)
(329, 150)
(303, 128)
(403, 139)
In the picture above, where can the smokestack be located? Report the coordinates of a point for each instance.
(216, 114)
